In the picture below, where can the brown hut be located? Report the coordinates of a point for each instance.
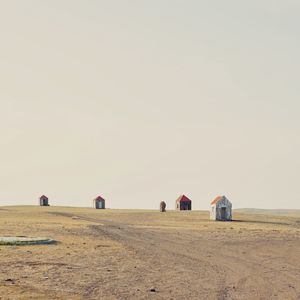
(99, 203)
(162, 206)
(44, 201)
(183, 203)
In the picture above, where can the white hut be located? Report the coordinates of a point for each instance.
(221, 209)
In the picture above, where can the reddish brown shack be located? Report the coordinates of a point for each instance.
(183, 203)
(99, 203)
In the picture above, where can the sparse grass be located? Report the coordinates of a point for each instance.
(108, 254)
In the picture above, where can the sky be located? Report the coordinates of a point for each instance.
(142, 101)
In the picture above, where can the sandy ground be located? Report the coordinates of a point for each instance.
(127, 254)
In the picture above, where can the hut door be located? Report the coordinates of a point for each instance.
(223, 213)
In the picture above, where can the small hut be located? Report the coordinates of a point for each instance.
(162, 206)
(221, 209)
(44, 201)
(99, 203)
(183, 203)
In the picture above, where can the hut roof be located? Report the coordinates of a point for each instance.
(183, 198)
(99, 199)
(216, 200)
(43, 197)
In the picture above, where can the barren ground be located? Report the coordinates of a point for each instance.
(124, 254)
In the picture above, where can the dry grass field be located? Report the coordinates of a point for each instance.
(131, 254)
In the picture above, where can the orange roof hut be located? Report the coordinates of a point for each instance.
(221, 209)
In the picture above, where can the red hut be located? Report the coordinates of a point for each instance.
(44, 201)
(99, 203)
(183, 203)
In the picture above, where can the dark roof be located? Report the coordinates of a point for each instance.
(43, 197)
(183, 198)
(99, 199)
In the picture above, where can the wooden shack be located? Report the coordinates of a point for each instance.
(183, 203)
(162, 206)
(44, 201)
(99, 203)
(221, 209)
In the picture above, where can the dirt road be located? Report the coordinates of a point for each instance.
(184, 264)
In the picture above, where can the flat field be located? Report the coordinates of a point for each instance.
(140, 254)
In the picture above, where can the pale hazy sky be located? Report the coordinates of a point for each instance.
(141, 101)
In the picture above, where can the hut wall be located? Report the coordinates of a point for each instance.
(100, 205)
(213, 212)
(185, 205)
(44, 202)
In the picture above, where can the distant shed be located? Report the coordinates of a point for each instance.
(44, 201)
(99, 203)
(183, 203)
(162, 206)
(221, 209)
